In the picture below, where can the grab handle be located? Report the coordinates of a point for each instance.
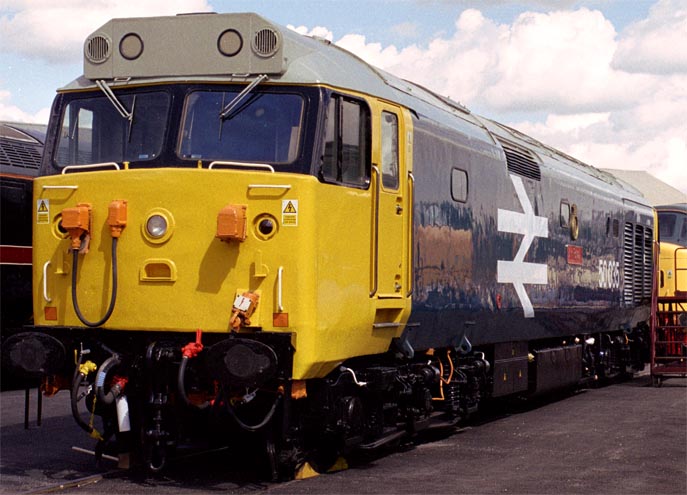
(280, 305)
(375, 232)
(45, 282)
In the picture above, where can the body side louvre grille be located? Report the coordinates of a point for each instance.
(521, 161)
(20, 155)
(637, 263)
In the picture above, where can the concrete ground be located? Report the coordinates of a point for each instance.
(627, 438)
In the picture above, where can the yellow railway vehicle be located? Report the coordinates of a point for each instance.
(672, 221)
(669, 333)
(238, 228)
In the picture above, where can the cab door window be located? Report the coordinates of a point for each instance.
(346, 157)
(389, 129)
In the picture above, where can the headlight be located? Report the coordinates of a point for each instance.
(156, 226)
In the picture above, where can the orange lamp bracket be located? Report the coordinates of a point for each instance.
(231, 223)
(77, 222)
(116, 217)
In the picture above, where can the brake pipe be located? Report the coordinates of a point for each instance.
(189, 351)
(259, 425)
(116, 388)
(82, 371)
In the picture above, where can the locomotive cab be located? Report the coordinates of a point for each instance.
(218, 224)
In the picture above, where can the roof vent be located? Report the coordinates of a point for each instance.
(266, 42)
(97, 48)
(521, 161)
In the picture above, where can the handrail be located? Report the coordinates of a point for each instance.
(269, 186)
(90, 165)
(280, 306)
(676, 267)
(375, 232)
(73, 188)
(45, 282)
(411, 247)
(390, 324)
(242, 164)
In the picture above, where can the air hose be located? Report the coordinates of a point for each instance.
(80, 375)
(189, 351)
(181, 387)
(113, 297)
(261, 424)
(116, 389)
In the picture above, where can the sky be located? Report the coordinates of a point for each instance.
(603, 80)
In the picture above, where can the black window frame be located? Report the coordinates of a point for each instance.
(564, 220)
(466, 183)
(335, 101)
(306, 162)
(227, 93)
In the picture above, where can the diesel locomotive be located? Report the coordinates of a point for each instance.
(245, 235)
(21, 147)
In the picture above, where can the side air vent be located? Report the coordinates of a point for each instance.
(20, 154)
(521, 161)
(637, 263)
(266, 42)
(97, 48)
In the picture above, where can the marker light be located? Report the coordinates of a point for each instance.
(156, 226)
(266, 226)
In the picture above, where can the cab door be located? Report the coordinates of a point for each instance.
(391, 277)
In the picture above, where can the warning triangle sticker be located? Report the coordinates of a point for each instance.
(289, 208)
(42, 208)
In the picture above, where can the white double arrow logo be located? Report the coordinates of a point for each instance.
(518, 272)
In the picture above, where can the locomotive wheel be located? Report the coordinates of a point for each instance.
(324, 455)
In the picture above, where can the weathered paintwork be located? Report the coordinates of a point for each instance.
(494, 266)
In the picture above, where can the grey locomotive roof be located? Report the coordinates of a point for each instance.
(674, 207)
(654, 190)
(300, 60)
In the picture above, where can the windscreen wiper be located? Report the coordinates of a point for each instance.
(119, 106)
(113, 99)
(226, 111)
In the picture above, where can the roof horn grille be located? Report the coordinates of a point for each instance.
(97, 48)
(266, 42)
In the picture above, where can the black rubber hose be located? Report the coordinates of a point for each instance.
(113, 297)
(258, 426)
(100, 377)
(76, 383)
(181, 387)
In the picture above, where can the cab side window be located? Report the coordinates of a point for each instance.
(346, 157)
(565, 214)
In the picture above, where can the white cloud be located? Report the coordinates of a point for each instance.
(54, 31)
(406, 29)
(564, 65)
(542, 62)
(611, 99)
(656, 45)
(316, 32)
(12, 113)
(651, 136)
